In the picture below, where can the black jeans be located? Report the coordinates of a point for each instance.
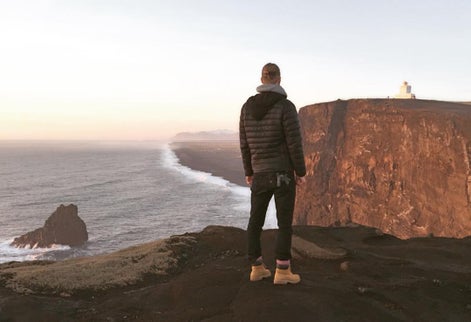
(264, 186)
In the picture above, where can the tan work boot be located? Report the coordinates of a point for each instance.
(259, 272)
(284, 276)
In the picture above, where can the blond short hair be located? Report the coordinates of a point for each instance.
(270, 73)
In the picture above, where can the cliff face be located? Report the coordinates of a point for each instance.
(400, 165)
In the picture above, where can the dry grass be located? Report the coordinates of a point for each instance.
(304, 248)
(125, 267)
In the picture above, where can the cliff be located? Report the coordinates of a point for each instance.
(403, 166)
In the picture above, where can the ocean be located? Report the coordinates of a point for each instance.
(127, 193)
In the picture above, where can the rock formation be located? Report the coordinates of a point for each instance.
(63, 227)
(403, 166)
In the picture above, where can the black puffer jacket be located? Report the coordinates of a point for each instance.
(270, 138)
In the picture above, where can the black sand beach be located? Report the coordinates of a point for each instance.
(220, 158)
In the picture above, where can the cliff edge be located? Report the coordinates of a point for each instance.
(347, 274)
(403, 166)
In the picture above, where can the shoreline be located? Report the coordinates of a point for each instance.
(220, 158)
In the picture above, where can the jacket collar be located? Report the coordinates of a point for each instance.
(271, 88)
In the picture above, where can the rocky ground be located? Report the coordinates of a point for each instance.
(357, 274)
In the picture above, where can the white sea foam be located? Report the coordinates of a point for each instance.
(126, 195)
(171, 161)
(11, 253)
(240, 194)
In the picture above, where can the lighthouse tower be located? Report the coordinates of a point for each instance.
(405, 91)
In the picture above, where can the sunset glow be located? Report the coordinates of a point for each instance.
(143, 70)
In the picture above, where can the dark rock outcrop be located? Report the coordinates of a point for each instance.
(403, 166)
(63, 227)
(204, 276)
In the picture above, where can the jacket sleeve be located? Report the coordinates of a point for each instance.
(244, 146)
(293, 138)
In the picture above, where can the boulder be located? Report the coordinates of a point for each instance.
(403, 166)
(63, 227)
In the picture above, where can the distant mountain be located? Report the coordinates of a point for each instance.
(216, 135)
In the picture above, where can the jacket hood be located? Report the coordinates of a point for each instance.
(259, 105)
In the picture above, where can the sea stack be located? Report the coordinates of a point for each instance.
(63, 227)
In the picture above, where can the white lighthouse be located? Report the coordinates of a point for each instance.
(405, 91)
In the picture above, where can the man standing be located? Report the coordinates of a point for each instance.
(273, 158)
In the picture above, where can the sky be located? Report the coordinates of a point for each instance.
(146, 70)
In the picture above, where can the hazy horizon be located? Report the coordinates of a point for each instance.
(146, 70)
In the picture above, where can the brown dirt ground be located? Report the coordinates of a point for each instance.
(387, 279)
